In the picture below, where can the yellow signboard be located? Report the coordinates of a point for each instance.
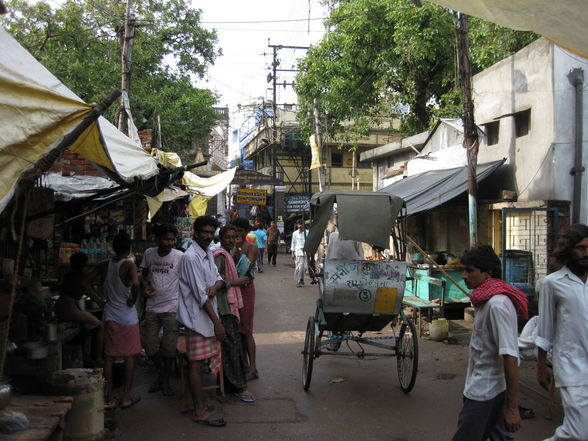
(251, 196)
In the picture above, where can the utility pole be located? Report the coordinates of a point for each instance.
(274, 76)
(319, 142)
(126, 56)
(470, 133)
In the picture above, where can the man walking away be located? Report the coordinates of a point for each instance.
(563, 328)
(121, 324)
(297, 248)
(261, 242)
(273, 240)
(160, 274)
(197, 311)
(490, 407)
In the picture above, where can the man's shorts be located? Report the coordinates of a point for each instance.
(203, 348)
(150, 327)
(121, 340)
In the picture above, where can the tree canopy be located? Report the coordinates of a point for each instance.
(392, 58)
(80, 43)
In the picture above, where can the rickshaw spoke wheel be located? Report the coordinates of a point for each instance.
(407, 355)
(308, 355)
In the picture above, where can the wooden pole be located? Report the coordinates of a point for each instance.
(436, 265)
(470, 133)
(14, 280)
(47, 161)
(126, 57)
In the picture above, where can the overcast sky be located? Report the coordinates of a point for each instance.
(240, 75)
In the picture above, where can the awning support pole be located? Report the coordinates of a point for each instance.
(47, 161)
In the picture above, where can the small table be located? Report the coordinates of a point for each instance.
(46, 416)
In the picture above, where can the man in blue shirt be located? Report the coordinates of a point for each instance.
(261, 240)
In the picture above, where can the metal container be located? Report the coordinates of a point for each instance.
(5, 392)
(36, 350)
(51, 332)
(85, 420)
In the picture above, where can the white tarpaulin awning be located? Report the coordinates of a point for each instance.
(200, 189)
(561, 21)
(37, 111)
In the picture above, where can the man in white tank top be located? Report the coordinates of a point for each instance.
(121, 324)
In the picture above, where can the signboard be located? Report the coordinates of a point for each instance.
(251, 177)
(251, 197)
(295, 203)
(363, 286)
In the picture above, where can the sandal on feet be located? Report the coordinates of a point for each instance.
(134, 400)
(211, 420)
(526, 414)
(245, 396)
(209, 408)
(250, 376)
(112, 404)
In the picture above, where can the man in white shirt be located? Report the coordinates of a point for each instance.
(160, 273)
(338, 248)
(563, 328)
(490, 393)
(197, 311)
(297, 248)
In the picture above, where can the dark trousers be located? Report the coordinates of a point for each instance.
(482, 420)
(272, 253)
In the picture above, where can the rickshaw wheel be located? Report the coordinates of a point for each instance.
(407, 355)
(308, 355)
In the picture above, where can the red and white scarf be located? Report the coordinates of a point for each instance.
(491, 287)
(234, 298)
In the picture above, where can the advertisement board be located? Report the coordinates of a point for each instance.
(251, 196)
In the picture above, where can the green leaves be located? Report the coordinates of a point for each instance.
(389, 58)
(80, 44)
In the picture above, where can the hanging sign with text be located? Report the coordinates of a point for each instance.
(251, 196)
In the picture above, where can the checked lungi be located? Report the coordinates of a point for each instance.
(203, 348)
(232, 357)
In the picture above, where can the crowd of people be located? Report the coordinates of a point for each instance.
(207, 296)
(198, 302)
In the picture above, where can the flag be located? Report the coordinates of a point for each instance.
(316, 156)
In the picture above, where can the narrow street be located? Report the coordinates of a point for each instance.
(364, 402)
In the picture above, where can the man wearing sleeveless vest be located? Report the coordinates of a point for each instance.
(121, 324)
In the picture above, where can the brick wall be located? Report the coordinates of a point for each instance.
(146, 137)
(70, 163)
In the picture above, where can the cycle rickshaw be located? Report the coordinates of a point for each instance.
(359, 298)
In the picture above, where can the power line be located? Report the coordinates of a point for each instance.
(291, 20)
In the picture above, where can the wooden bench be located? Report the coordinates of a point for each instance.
(46, 415)
(419, 305)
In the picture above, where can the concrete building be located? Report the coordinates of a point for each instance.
(526, 105)
(526, 108)
(274, 147)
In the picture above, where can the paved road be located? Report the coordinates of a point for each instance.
(364, 403)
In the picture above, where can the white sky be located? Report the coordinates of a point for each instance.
(240, 74)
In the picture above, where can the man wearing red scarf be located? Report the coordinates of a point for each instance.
(490, 394)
